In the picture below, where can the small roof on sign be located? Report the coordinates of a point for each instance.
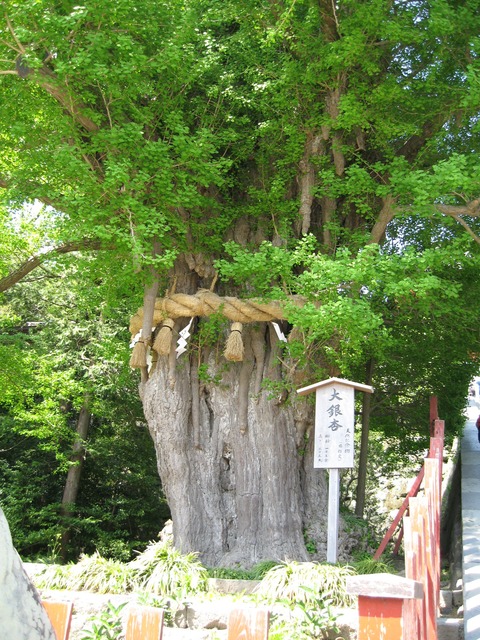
(324, 383)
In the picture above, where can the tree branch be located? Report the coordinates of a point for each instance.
(47, 80)
(469, 230)
(472, 209)
(314, 146)
(389, 210)
(35, 261)
(413, 145)
(386, 214)
(21, 48)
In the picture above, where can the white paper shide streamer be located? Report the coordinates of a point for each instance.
(279, 332)
(182, 341)
(135, 339)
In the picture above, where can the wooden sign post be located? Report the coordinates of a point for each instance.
(334, 444)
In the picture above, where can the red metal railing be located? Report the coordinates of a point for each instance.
(396, 608)
(437, 430)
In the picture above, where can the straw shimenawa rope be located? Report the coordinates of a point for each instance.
(205, 303)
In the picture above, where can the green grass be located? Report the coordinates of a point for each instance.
(160, 569)
(302, 581)
(257, 572)
(368, 565)
(163, 570)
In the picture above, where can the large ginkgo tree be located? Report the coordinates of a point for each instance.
(305, 169)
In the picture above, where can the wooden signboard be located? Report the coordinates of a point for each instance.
(334, 422)
(334, 444)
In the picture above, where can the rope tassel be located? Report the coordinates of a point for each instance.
(138, 359)
(234, 347)
(163, 341)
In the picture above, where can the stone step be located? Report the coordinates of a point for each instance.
(450, 601)
(449, 629)
(450, 624)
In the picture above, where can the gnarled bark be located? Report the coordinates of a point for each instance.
(237, 475)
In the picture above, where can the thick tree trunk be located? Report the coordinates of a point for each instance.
(234, 463)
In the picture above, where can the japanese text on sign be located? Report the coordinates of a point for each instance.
(334, 421)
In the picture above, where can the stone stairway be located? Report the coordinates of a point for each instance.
(450, 622)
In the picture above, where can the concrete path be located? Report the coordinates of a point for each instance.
(470, 457)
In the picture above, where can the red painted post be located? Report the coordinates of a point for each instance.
(423, 524)
(438, 429)
(248, 624)
(413, 570)
(144, 623)
(60, 614)
(433, 471)
(433, 412)
(383, 605)
(436, 448)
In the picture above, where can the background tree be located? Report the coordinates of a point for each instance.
(199, 142)
(66, 361)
